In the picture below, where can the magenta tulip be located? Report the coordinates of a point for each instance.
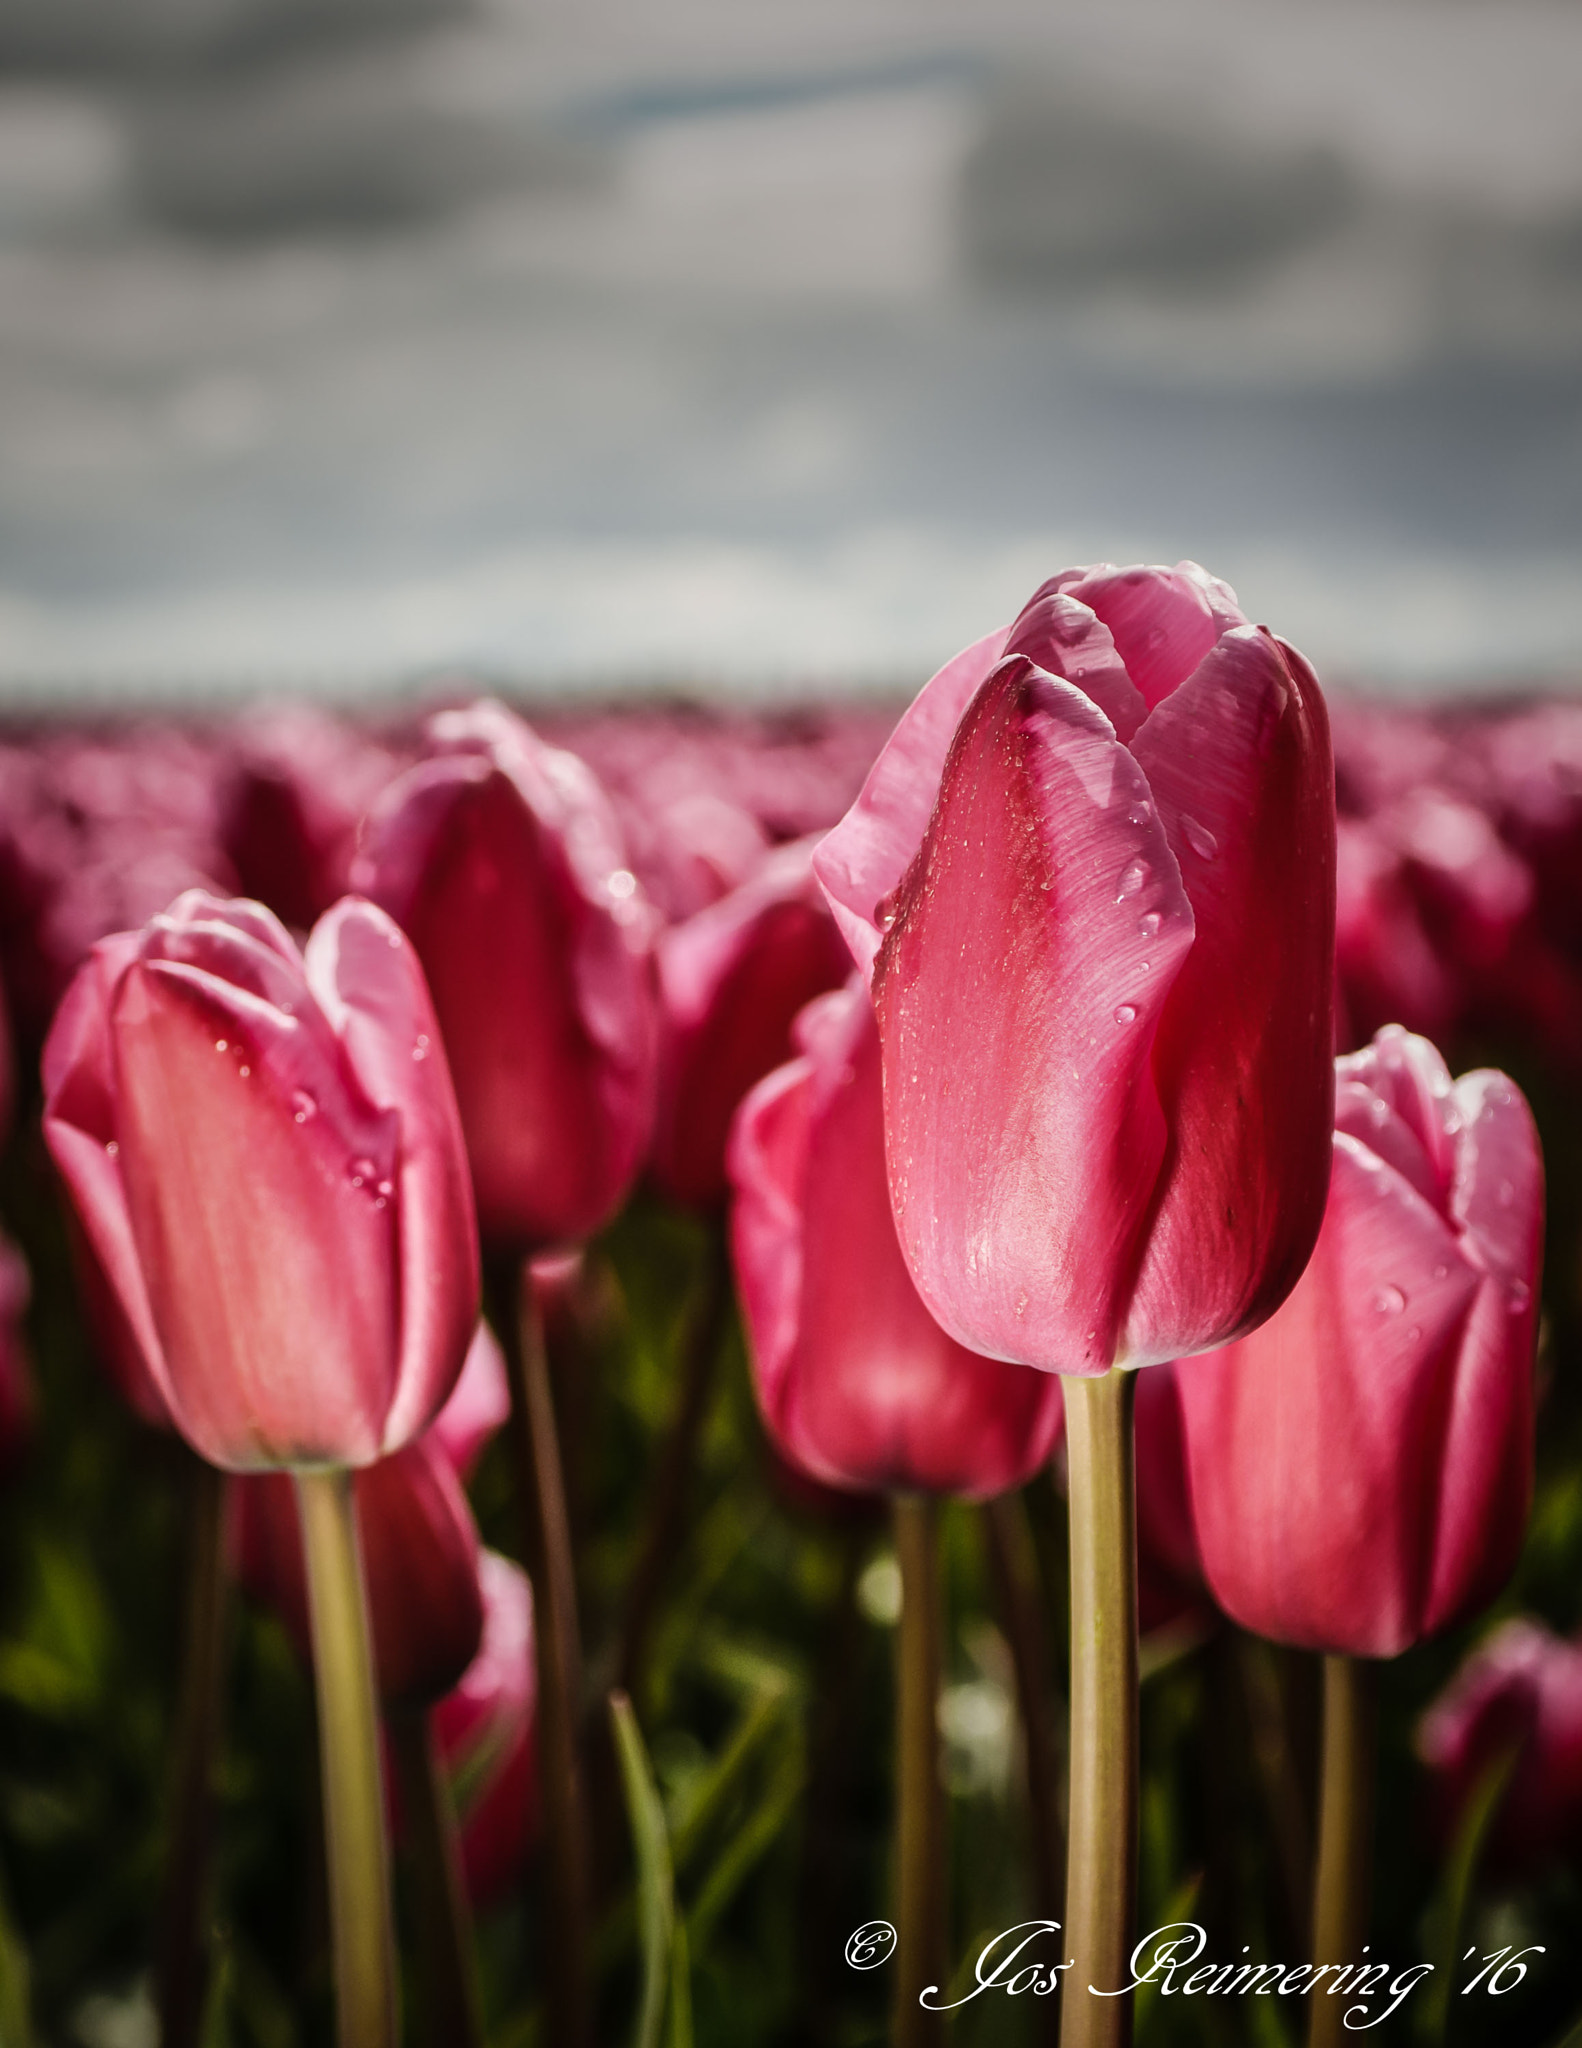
(1516, 1702)
(487, 1735)
(263, 1150)
(500, 858)
(731, 980)
(1361, 1465)
(1091, 878)
(858, 1384)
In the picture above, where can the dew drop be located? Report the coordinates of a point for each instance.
(361, 1170)
(420, 1048)
(1021, 1304)
(244, 1072)
(302, 1105)
(222, 1045)
(1199, 838)
(113, 1149)
(1140, 812)
(394, 941)
(1126, 1014)
(1149, 925)
(1389, 1301)
(379, 1202)
(1441, 1271)
(1505, 1194)
(385, 1190)
(622, 884)
(1521, 1294)
(885, 909)
(1132, 879)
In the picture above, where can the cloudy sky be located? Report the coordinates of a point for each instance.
(754, 346)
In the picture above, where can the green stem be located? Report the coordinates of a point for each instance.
(662, 1522)
(1101, 1848)
(920, 1811)
(354, 1817)
(447, 1963)
(1342, 1882)
(183, 1948)
(559, 1649)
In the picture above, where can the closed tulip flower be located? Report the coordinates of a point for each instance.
(731, 980)
(1091, 879)
(487, 1734)
(1361, 1465)
(17, 1398)
(858, 1384)
(1516, 1705)
(501, 859)
(262, 1148)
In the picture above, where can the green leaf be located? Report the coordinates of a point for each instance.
(664, 1958)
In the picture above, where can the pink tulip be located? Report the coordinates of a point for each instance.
(264, 1154)
(487, 1735)
(1517, 1697)
(1091, 879)
(1361, 1465)
(858, 1384)
(500, 858)
(731, 979)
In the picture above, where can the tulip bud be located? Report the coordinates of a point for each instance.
(264, 1154)
(1091, 878)
(500, 858)
(486, 1730)
(1516, 1701)
(859, 1386)
(1361, 1466)
(731, 979)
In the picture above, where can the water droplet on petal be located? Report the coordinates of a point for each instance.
(1132, 879)
(113, 1149)
(1389, 1301)
(1126, 1014)
(303, 1105)
(420, 1048)
(222, 1045)
(244, 1072)
(884, 911)
(1149, 924)
(1441, 1271)
(1505, 1194)
(1021, 1304)
(1521, 1294)
(395, 940)
(361, 1170)
(385, 1189)
(1199, 838)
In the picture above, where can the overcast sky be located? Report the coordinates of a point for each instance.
(755, 345)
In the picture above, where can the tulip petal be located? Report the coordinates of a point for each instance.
(1316, 1445)
(1064, 638)
(80, 1130)
(479, 1404)
(262, 1229)
(1035, 943)
(367, 981)
(1163, 621)
(420, 1552)
(862, 861)
(1239, 764)
(1406, 1073)
(1497, 1197)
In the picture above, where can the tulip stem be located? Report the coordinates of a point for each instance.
(667, 1501)
(1342, 1883)
(920, 1811)
(1013, 1567)
(1101, 1850)
(447, 1962)
(559, 1678)
(354, 1819)
(183, 1946)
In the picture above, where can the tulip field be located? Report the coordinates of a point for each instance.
(890, 1374)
